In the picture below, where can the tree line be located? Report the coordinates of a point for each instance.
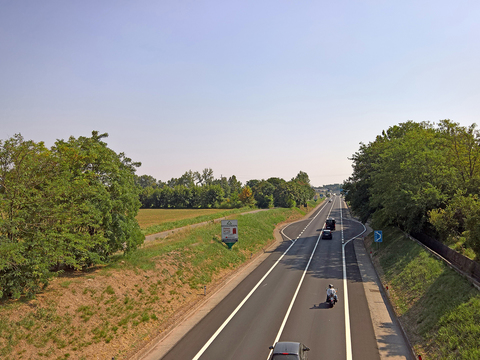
(421, 177)
(73, 205)
(202, 190)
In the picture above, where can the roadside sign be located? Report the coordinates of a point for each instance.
(378, 236)
(229, 231)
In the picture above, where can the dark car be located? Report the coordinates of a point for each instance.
(330, 224)
(326, 234)
(289, 350)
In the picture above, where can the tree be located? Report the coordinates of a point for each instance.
(463, 153)
(223, 183)
(145, 181)
(187, 179)
(181, 197)
(235, 185)
(111, 178)
(302, 178)
(246, 196)
(206, 177)
(26, 251)
(212, 196)
(263, 193)
(72, 206)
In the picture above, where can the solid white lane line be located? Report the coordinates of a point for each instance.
(219, 330)
(225, 323)
(348, 341)
(294, 297)
(299, 284)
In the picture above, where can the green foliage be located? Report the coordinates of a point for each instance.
(69, 206)
(419, 176)
(201, 190)
(460, 220)
(263, 194)
(439, 309)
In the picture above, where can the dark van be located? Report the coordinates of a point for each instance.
(330, 224)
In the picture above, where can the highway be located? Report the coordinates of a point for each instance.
(283, 299)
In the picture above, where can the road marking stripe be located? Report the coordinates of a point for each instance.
(219, 330)
(299, 284)
(225, 323)
(318, 212)
(294, 297)
(348, 341)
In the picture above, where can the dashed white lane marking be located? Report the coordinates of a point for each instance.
(294, 297)
(300, 282)
(318, 212)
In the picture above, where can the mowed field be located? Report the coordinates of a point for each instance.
(150, 217)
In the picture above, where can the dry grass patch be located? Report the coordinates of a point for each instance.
(150, 217)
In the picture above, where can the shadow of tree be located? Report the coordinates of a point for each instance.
(390, 343)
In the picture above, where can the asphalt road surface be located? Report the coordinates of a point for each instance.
(283, 299)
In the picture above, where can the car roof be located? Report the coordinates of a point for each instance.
(286, 347)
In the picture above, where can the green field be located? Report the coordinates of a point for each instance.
(439, 309)
(153, 221)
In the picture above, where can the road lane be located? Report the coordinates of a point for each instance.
(255, 326)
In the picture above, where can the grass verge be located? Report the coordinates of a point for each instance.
(113, 309)
(169, 225)
(439, 309)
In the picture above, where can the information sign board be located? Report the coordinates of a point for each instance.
(229, 231)
(378, 236)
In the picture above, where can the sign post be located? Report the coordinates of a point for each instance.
(229, 232)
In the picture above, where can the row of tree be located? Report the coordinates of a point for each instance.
(421, 177)
(202, 190)
(69, 206)
(73, 205)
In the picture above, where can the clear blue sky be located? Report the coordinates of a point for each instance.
(248, 88)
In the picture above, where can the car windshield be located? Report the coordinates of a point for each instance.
(285, 357)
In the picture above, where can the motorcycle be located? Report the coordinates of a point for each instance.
(331, 300)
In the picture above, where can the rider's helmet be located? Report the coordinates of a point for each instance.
(330, 286)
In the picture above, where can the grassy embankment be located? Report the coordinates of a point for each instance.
(153, 221)
(439, 309)
(114, 309)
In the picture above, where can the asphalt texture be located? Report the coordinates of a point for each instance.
(289, 304)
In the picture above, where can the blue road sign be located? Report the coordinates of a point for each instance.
(377, 236)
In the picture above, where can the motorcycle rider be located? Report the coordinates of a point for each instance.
(332, 292)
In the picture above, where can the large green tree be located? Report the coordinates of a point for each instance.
(69, 206)
(420, 177)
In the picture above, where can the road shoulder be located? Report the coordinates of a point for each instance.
(390, 338)
(161, 345)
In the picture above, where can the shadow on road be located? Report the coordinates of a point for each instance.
(320, 306)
